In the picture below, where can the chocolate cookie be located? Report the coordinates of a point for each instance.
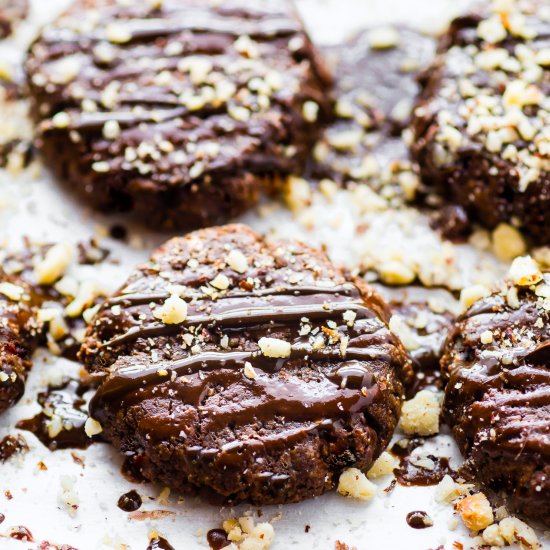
(19, 332)
(481, 125)
(421, 318)
(375, 84)
(251, 370)
(180, 110)
(497, 399)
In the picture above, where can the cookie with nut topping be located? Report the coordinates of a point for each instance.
(19, 333)
(481, 124)
(181, 111)
(497, 399)
(250, 370)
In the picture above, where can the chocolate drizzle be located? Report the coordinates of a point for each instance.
(60, 424)
(497, 399)
(190, 377)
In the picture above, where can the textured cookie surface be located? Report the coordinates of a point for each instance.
(181, 110)
(19, 331)
(375, 85)
(498, 394)
(252, 370)
(481, 126)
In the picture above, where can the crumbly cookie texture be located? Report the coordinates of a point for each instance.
(182, 111)
(265, 389)
(19, 332)
(481, 126)
(497, 399)
(375, 85)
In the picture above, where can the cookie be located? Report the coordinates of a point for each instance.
(497, 398)
(375, 83)
(248, 370)
(180, 110)
(19, 332)
(481, 124)
(421, 317)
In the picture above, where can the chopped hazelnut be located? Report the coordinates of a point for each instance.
(274, 347)
(92, 427)
(354, 483)
(524, 271)
(173, 311)
(384, 465)
(475, 511)
(420, 415)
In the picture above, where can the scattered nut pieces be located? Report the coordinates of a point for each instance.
(420, 415)
(245, 535)
(508, 242)
(54, 264)
(383, 38)
(274, 347)
(475, 511)
(353, 483)
(92, 427)
(11, 291)
(173, 311)
(221, 282)
(524, 271)
(470, 295)
(448, 490)
(237, 261)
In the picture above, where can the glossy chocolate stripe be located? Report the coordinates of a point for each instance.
(136, 377)
(140, 298)
(206, 22)
(282, 308)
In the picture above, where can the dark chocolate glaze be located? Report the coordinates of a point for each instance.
(159, 543)
(419, 520)
(217, 539)
(472, 172)
(66, 403)
(497, 399)
(313, 393)
(178, 160)
(130, 501)
(408, 474)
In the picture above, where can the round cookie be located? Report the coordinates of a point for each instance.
(481, 123)
(179, 110)
(497, 399)
(251, 370)
(19, 332)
